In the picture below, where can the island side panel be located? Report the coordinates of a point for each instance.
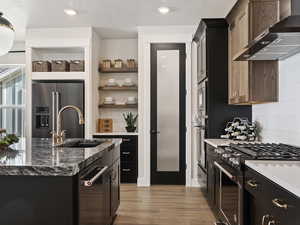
(36, 200)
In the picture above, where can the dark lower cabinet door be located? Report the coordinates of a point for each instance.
(267, 203)
(256, 211)
(128, 157)
(107, 199)
(115, 188)
(92, 212)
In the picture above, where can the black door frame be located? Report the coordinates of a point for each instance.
(168, 177)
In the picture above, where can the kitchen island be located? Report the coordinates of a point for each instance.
(40, 184)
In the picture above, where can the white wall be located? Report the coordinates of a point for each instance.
(281, 121)
(95, 78)
(118, 49)
(162, 34)
(14, 58)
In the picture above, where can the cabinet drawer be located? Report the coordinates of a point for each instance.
(128, 172)
(128, 155)
(271, 199)
(284, 206)
(255, 183)
(129, 142)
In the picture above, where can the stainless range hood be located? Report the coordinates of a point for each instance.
(279, 42)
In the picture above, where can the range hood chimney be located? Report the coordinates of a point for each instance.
(281, 40)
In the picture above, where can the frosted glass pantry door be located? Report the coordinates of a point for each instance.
(168, 143)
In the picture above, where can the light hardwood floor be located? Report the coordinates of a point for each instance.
(163, 205)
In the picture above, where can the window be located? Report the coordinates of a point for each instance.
(12, 106)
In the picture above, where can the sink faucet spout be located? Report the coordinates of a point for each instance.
(59, 136)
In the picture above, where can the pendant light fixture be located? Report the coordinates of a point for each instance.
(7, 34)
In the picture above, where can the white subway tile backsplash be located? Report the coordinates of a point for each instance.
(280, 121)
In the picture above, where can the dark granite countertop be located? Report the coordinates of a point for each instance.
(38, 158)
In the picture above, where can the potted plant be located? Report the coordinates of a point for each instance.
(7, 139)
(130, 121)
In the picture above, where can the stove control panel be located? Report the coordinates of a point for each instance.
(230, 156)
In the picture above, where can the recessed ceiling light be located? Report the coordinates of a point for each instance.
(70, 12)
(164, 10)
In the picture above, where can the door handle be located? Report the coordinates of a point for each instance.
(89, 183)
(272, 222)
(126, 153)
(264, 218)
(53, 113)
(57, 103)
(279, 203)
(224, 171)
(252, 183)
(155, 132)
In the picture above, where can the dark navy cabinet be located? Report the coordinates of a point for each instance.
(267, 203)
(129, 156)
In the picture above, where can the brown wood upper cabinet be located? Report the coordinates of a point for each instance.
(257, 81)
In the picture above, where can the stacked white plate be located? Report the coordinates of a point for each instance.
(109, 101)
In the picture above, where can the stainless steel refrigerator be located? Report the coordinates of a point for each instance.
(48, 97)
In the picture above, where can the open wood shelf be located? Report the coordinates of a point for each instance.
(118, 106)
(118, 70)
(117, 88)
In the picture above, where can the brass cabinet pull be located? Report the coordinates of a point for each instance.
(252, 183)
(279, 203)
(126, 153)
(126, 139)
(264, 218)
(272, 222)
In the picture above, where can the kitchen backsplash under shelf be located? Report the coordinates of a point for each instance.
(113, 106)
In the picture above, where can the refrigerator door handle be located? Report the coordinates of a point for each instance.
(57, 103)
(53, 113)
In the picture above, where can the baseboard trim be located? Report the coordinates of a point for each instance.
(143, 182)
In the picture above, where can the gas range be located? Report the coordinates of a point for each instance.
(236, 154)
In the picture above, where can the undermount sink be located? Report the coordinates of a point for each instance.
(80, 143)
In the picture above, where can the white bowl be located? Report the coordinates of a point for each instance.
(111, 82)
(131, 99)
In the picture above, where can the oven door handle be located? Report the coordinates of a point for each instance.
(90, 182)
(224, 171)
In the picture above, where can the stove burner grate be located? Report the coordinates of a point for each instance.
(268, 151)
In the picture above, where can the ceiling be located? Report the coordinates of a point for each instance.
(112, 18)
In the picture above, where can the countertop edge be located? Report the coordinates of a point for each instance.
(63, 170)
(271, 176)
(218, 142)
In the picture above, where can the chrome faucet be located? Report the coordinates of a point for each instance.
(58, 136)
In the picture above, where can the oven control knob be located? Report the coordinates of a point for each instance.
(219, 150)
(234, 161)
(226, 155)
